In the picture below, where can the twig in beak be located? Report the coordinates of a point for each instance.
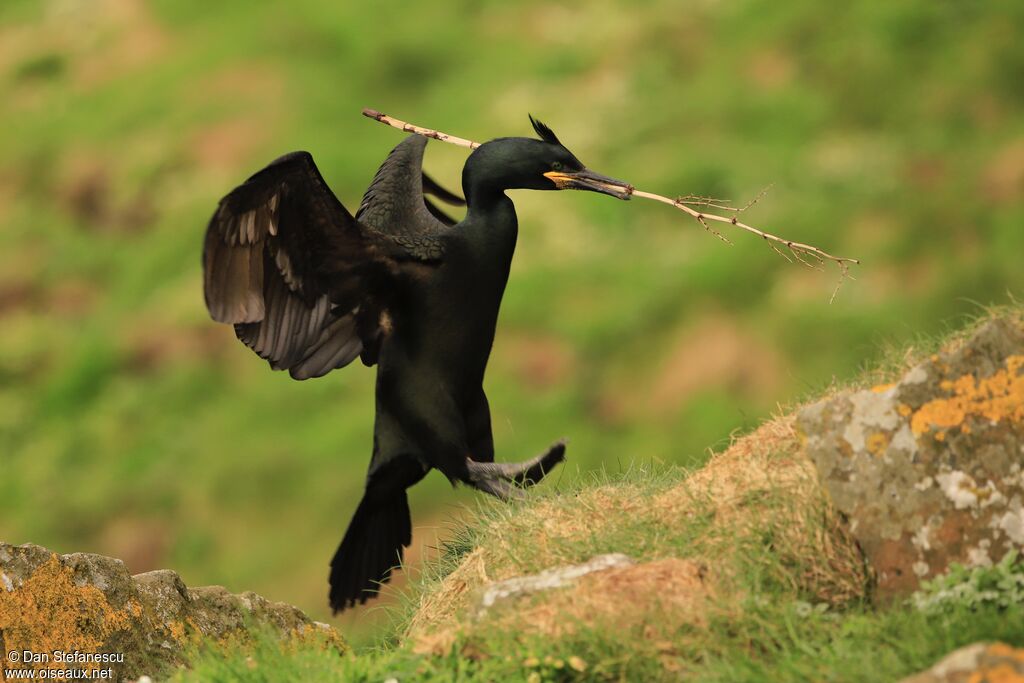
(803, 253)
(800, 251)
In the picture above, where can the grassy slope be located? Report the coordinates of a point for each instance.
(130, 426)
(775, 643)
(783, 595)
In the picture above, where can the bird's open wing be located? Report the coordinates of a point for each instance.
(395, 203)
(305, 285)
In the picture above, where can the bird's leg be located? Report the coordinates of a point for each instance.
(497, 478)
(488, 482)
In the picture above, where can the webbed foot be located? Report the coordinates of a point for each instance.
(502, 479)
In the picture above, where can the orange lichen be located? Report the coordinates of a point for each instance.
(995, 399)
(1002, 673)
(1004, 650)
(983, 494)
(49, 612)
(904, 410)
(882, 388)
(177, 630)
(940, 436)
(877, 443)
(1000, 663)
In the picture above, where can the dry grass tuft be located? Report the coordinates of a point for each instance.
(622, 598)
(754, 510)
(439, 606)
(764, 490)
(763, 460)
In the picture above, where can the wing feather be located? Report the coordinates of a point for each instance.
(395, 203)
(302, 281)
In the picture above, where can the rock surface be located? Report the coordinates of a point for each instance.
(549, 579)
(929, 469)
(977, 663)
(611, 593)
(90, 604)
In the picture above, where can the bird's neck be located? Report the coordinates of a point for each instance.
(491, 218)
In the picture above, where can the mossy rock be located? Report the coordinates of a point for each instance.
(930, 470)
(90, 604)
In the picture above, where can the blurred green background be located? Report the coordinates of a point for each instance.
(132, 425)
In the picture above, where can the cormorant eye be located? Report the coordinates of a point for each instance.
(556, 165)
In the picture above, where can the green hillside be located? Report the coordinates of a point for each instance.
(131, 425)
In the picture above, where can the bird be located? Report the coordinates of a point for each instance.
(310, 287)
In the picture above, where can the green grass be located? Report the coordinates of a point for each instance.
(774, 633)
(778, 643)
(786, 605)
(131, 425)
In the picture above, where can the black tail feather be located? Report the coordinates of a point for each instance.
(372, 547)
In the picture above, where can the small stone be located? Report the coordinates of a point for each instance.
(552, 578)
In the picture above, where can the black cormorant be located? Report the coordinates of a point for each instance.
(309, 288)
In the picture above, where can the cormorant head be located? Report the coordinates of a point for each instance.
(526, 163)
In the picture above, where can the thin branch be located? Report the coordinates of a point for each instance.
(779, 252)
(425, 132)
(700, 219)
(755, 200)
(804, 253)
(800, 251)
(697, 200)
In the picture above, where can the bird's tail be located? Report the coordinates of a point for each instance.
(372, 547)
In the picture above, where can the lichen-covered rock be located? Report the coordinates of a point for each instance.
(977, 663)
(90, 604)
(929, 469)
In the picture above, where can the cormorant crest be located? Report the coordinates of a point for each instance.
(545, 133)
